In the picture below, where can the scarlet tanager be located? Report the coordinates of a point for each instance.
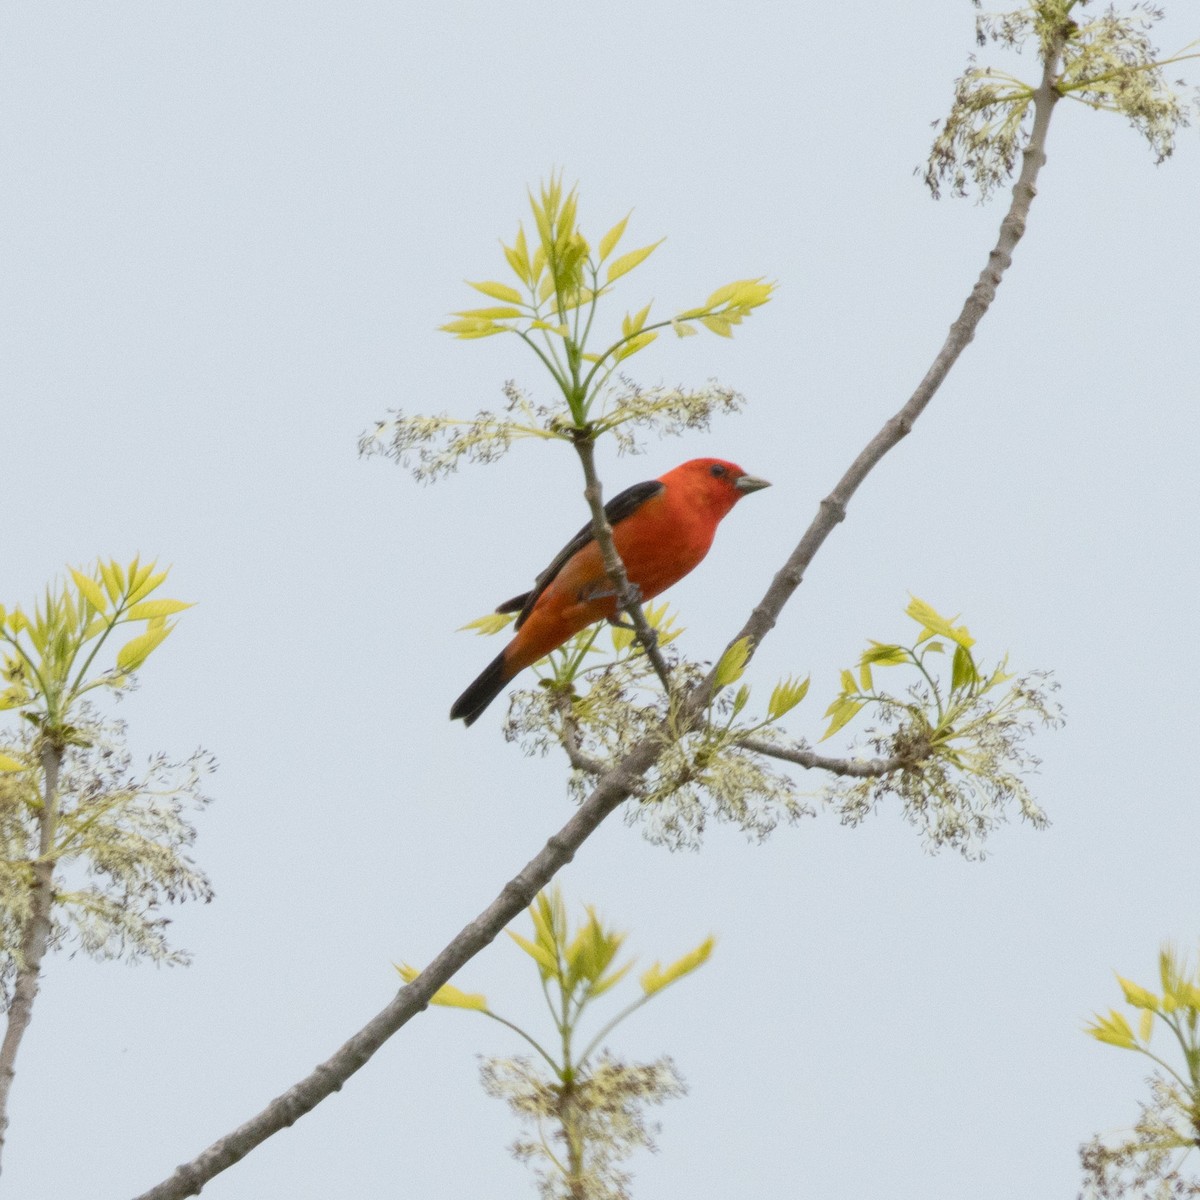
(662, 529)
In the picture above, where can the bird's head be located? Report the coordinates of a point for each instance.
(714, 481)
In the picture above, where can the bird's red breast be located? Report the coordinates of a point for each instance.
(661, 530)
(667, 537)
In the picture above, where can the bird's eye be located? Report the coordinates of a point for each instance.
(716, 470)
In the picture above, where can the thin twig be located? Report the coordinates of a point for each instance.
(621, 781)
(857, 768)
(570, 741)
(627, 597)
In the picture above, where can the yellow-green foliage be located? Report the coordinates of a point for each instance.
(585, 1106)
(959, 742)
(954, 731)
(1107, 62)
(603, 703)
(1148, 1160)
(49, 653)
(121, 844)
(118, 839)
(560, 283)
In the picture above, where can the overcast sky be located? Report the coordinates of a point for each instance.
(229, 232)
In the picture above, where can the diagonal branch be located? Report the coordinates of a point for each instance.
(610, 792)
(869, 768)
(832, 509)
(621, 782)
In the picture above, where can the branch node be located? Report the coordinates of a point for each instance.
(834, 507)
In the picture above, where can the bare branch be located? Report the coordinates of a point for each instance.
(811, 761)
(610, 792)
(621, 782)
(832, 509)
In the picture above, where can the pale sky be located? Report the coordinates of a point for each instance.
(230, 231)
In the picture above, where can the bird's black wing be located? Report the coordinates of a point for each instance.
(623, 504)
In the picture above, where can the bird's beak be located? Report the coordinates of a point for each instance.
(748, 483)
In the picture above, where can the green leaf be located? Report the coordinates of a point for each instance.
(578, 955)
(1170, 969)
(610, 981)
(744, 294)
(114, 580)
(659, 619)
(634, 344)
(548, 916)
(91, 591)
(592, 950)
(864, 676)
(885, 654)
(1146, 1026)
(721, 296)
(848, 684)
(498, 291)
(519, 268)
(1137, 995)
(150, 609)
(491, 623)
(785, 696)
(622, 638)
(627, 262)
(733, 662)
(518, 256)
(741, 699)
(577, 297)
(135, 652)
(843, 711)
(546, 961)
(495, 313)
(718, 325)
(9, 764)
(447, 995)
(1114, 1030)
(927, 616)
(469, 327)
(963, 674)
(657, 978)
(144, 584)
(682, 329)
(633, 324)
(608, 242)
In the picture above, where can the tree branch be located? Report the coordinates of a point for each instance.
(621, 782)
(857, 768)
(627, 598)
(832, 509)
(570, 741)
(35, 938)
(610, 792)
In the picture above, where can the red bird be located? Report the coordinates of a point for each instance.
(662, 529)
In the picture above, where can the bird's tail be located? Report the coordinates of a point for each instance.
(482, 692)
